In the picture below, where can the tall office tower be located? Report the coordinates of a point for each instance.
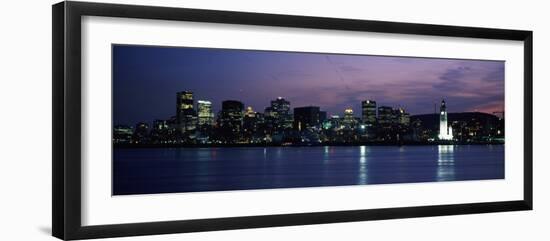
(403, 118)
(250, 112)
(306, 117)
(231, 120)
(385, 115)
(251, 122)
(205, 114)
(349, 120)
(186, 117)
(368, 108)
(280, 109)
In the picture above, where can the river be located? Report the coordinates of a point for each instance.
(169, 170)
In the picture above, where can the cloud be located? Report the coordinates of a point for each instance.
(452, 79)
(495, 75)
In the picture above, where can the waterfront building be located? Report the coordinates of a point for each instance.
(204, 112)
(445, 132)
(122, 134)
(250, 122)
(260, 131)
(403, 118)
(280, 110)
(186, 116)
(159, 125)
(141, 133)
(270, 119)
(185, 100)
(349, 120)
(172, 123)
(205, 121)
(368, 108)
(306, 117)
(231, 120)
(161, 131)
(385, 115)
(250, 113)
(333, 122)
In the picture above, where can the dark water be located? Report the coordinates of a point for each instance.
(158, 170)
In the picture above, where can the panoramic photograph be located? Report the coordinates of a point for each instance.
(205, 119)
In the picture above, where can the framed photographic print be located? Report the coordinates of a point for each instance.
(172, 120)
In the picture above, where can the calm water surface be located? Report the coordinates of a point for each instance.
(165, 170)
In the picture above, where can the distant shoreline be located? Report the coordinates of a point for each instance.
(127, 146)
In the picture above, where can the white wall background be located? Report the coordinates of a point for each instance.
(25, 104)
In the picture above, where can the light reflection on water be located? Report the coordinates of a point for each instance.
(213, 169)
(326, 154)
(362, 165)
(445, 163)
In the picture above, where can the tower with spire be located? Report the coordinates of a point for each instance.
(445, 131)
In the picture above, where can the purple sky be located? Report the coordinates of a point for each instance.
(146, 79)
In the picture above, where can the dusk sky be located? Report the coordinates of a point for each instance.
(146, 79)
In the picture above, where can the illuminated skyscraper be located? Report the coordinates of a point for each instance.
(205, 114)
(445, 132)
(250, 112)
(280, 110)
(252, 121)
(186, 116)
(349, 120)
(403, 118)
(184, 101)
(368, 108)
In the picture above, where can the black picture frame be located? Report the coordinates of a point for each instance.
(66, 167)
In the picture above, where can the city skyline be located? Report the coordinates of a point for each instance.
(145, 80)
(310, 125)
